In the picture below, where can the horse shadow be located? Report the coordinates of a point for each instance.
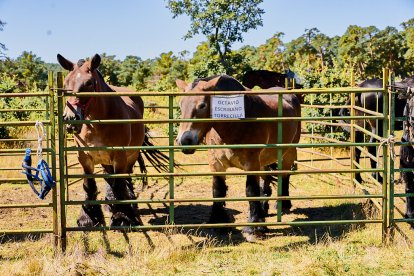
(318, 233)
(198, 214)
(11, 238)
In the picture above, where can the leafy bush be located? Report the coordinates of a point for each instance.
(10, 85)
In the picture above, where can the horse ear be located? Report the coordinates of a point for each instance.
(181, 84)
(95, 62)
(211, 84)
(66, 64)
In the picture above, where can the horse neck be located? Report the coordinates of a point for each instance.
(101, 85)
(100, 106)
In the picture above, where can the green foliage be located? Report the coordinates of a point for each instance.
(30, 70)
(110, 68)
(408, 35)
(9, 84)
(223, 22)
(127, 69)
(270, 55)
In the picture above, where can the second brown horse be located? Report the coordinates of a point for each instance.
(228, 133)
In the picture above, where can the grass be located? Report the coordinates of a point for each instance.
(311, 250)
(358, 252)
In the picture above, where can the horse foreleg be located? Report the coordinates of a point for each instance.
(406, 162)
(256, 213)
(265, 191)
(90, 215)
(359, 138)
(218, 212)
(117, 189)
(289, 159)
(373, 151)
(408, 178)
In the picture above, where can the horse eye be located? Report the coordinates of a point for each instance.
(202, 106)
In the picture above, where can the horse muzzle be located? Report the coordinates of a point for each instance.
(188, 139)
(72, 128)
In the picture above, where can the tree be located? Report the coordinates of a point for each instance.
(2, 45)
(205, 62)
(127, 69)
(389, 50)
(270, 55)
(408, 35)
(109, 68)
(142, 74)
(356, 49)
(223, 22)
(30, 70)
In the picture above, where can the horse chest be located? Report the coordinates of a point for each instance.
(96, 156)
(222, 159)
(100, 157)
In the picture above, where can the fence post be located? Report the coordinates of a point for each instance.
(385, 157)
(352, 130)
(390, 222)
(171, 154)
(279, 156)
(51, 84)
(62, 187)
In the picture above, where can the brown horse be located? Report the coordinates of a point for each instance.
(85, 77)
(266, 79)
(227, 133)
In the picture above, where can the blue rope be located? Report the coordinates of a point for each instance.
(42, 175)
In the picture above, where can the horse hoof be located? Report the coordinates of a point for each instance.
(90, 216)
(252, 234)
(120, 219)
(86, 221)
(258, 230)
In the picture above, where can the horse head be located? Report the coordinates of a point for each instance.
(199, 106)
(405, 90)
(193, 107)
(83, 77)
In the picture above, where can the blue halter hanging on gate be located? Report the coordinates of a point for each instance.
(42, 175)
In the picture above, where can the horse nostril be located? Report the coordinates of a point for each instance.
(186, 141)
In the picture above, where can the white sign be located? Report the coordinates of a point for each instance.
(227, 107)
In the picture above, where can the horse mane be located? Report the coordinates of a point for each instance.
(196, 81)
(107, 88)
(225, 83)
(371, 83)
(81, 62)
(409, 81)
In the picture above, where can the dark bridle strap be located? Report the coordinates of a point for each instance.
(84, 107)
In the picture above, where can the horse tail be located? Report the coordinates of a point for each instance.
(157, 159)
(143, 170)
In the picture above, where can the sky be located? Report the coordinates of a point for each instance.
(145, 28)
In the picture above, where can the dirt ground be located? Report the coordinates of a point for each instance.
(200, 187)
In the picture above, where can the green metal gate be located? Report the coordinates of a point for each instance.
(382, 194)
(383, 198)
(48, 120)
